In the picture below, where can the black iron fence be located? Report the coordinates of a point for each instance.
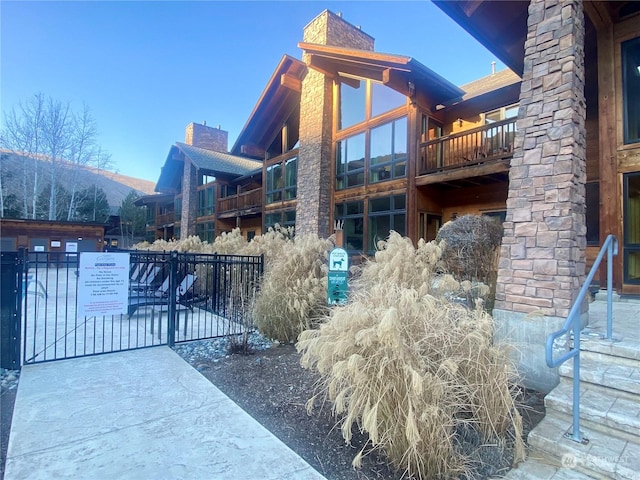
(172, 297)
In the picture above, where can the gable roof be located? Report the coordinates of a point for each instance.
(395, 71)
(218, 163)
(278, 100)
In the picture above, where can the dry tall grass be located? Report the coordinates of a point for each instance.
(293, 291)
(410, 367)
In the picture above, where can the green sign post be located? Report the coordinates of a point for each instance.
(337, 285)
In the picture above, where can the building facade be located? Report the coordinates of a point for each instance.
(382, 142)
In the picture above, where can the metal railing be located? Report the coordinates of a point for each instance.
(172, 297)
(572, 324)
(479, 145)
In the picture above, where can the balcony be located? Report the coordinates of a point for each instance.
(244, 203)
(477, 152)
(165, 219)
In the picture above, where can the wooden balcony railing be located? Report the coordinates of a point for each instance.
(480, 145)
(241, 201)
(165, 218)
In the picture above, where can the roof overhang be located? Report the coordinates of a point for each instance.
(500, 26)
(153, 199)
(395, 71)
(278, 100)
(170, 172)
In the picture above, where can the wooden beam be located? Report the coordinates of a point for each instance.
(322, 65)
(291, 82)
(252, 151)
(463, 173)
(599, 14)
(352, 82)
(610, 194)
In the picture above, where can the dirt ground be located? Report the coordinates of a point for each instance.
(273, 388)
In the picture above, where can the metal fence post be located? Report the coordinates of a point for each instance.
(173, 286)
(11, 290)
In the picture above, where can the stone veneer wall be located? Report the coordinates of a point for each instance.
(189, 200)
(207, 137)
(542, 260)
(315, 176)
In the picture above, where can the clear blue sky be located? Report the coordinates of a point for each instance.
(147, 69)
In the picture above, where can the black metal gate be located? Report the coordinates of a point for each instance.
(173, 297)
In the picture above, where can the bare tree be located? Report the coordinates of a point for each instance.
(58, 134)
(47, 129)
(23, 134)
(82, 151)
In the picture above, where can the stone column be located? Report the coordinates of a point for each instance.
(189, 200)
(542, 259)
(315, 176)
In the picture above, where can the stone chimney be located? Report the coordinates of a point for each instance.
(203, 136)
(316, 103)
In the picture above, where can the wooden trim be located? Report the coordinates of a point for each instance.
(291, 82)
(413, 142)
(599, 14)
(462, 173)
(323, 66)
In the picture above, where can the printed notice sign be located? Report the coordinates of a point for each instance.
(103, 284)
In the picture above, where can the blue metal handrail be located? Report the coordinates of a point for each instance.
(610, 246)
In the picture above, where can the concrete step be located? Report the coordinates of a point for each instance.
(627, 348)
(537, 469)
(607, 372)
(602, 457)
(599, 409)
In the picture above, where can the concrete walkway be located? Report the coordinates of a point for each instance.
(141, 414)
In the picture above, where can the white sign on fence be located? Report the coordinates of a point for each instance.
(103, 284)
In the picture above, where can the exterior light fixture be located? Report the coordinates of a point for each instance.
(412, 92)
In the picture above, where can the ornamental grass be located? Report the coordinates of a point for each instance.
(410, 367)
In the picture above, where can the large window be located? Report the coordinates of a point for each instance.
(386, 214)
(631, 89)
(273, 191)
(205, 178)
(353, 102)
(286, 218)
(290, 178)
(206, 231)
(386, 159)
(354, 107)
(282, 181)
(350, 161)
(384, 99)
(352, 213)
(388, 151)
(206, 201)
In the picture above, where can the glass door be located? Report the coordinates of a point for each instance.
(631, 247)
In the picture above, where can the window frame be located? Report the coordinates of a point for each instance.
(626, 137)
(392, 213)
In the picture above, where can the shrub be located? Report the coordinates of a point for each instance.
(471, 250)
(471, 246)
(294, 289)
(410, 367)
